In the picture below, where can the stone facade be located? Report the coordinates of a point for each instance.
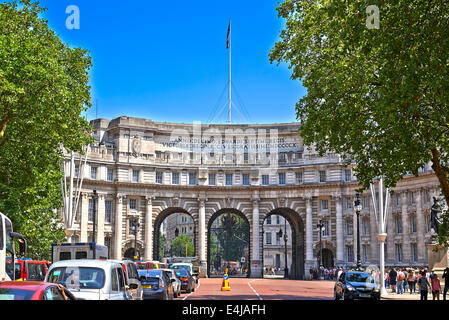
(149, 170)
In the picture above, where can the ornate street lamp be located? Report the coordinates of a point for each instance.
(357, 209)
(94, 215)
(135, 228)
(320, 227)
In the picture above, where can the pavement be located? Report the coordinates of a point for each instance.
(407, 296)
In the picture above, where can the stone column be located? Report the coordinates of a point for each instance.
(99, 237)
(339, 231)
(354, 235)
(390, 252)
(309, 235)
(148, 253)
(84, 217)
(202, 229)
(118, 228)
(256, 262)
(406, 248)
(421, 229)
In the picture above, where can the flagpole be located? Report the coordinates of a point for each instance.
(230, 101)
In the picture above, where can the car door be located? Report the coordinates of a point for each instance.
(114, 293)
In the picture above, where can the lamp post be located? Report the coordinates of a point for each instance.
(176, 235)
(285, 243)
(357, 209)
(135, 227)
(320, 226)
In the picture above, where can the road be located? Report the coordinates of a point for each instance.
(261, 289)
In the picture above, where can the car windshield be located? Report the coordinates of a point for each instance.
(151, 280)
(15, 294)
(154, 273)
(359, 277)
(78, 277)
(141, 266)
(181, 267)
(181, 273)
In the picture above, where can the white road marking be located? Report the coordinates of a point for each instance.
(199, 284)
(257, 294)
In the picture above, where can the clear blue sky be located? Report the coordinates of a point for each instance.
(167, 60)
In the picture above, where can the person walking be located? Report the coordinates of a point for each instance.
(446, 282)
(435, 287)
(424, 285)
(400, 282)
(393, 274)
(411, 280)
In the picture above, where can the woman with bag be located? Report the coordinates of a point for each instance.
(436, 287)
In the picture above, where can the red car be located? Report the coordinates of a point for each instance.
(33, 290)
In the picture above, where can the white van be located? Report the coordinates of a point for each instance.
(89, 279)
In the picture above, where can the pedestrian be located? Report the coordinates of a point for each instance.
(424, 285)
(400, 281)
(393, 274)
(404, 270)
(411, 280)
(340, 271)
(446, 282)
(435, 287)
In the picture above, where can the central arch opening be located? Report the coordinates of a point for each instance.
(228, 244)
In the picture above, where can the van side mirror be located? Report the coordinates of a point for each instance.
(133, 286)
(22, 242)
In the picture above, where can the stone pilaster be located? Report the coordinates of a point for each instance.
(84, 217)
(256, 262)
(339, 231)
(406, 248)
(118, 228)
(421, 229)
(148, 253)
(309, 234)
(101, 212)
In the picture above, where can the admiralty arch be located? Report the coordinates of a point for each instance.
(144, 171)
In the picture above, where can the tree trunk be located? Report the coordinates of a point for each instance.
(3, 124)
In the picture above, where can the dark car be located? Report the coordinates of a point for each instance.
(187, 280)
(356, 285)
(156, 285)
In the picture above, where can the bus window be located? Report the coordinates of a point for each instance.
(65, 256)
(1, 232)
(18, 268)
(9, 246)
(81, 255)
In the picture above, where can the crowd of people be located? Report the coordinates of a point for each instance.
(401, 280)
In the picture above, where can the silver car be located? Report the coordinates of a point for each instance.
(176, 282)
(89, 279)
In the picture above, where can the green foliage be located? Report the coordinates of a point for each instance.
(182, 246)
(43, 92)
(162, 244)
(379, 97)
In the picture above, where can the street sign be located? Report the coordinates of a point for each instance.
(242, 260)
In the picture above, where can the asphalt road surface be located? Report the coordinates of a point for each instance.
(261, 289)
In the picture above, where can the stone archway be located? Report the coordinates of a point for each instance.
(244, 265)
(296, 266)
(328, 253)
(157, 225)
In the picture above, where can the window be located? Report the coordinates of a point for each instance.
(298, 177)
(325, 230)
(349, 254)
(192, 178)
(365, 202)
(93, 173)
(322, 176)
(91, 210)
(265, 180)
(108, 211)
(159, 177)
(175, 178)
(348, 203)
(212, 181)
(269, 220)
(268, 238)
(428, 224)
(426, 196)
(245, 179)
(132, 204)
(411, 196)
(397, 202)
(135, 175)
(348, 175)
(278, 219)
(110, 175)
(278, 238)
(414, 249)
(349, 227)
(413, 224)
(324, 205)
(364, 255)
(398, 249)
(398, 224)
(229, 179)
(77, 171)
(282, 178)
(365, 226)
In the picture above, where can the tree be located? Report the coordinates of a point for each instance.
(182, 246)
(43, 92)
(379, 97)
(162, 244)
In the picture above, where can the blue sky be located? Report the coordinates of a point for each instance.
(167, 60)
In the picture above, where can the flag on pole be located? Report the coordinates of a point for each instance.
(229, 32)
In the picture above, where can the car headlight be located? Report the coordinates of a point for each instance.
(376, 290)
(349, 287)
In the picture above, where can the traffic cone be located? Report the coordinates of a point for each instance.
(225, 284)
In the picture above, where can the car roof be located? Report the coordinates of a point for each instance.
(25, 285)
(85, 263)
